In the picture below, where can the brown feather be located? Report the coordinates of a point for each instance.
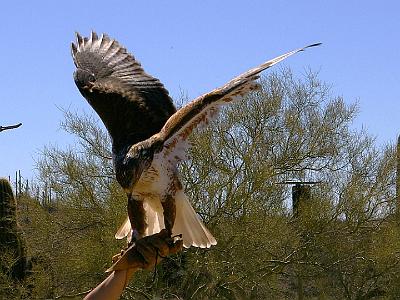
(132, 104)
(191, 115)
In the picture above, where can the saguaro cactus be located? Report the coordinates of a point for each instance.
(398, 177)
(11, 240)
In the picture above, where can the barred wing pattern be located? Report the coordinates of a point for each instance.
(132, 104)
(173, 136)
(199, 112)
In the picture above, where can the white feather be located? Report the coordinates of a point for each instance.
(187, 222)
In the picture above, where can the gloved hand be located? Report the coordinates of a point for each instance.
(146, 252)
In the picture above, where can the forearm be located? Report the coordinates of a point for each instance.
(146, 253)
(112, 287)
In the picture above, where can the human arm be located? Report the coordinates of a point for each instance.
(145, 254)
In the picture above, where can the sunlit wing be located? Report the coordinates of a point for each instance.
(200, 111)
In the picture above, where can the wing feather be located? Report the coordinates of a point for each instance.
(106, 57)
(201, 110)
(132, 104)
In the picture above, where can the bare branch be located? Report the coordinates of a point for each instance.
(2, 128)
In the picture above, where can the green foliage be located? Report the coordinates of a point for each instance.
(342, 244)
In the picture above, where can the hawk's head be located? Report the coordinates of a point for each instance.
(130, 166)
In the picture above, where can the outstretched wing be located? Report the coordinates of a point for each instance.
(173, 141)
(202, 109)
(132, 104)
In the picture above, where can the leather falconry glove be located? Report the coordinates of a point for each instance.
(146, 252)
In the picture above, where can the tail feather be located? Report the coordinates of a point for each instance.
(124, 230)
(154, 217)
(187, 223)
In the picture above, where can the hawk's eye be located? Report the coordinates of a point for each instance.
(91, 77)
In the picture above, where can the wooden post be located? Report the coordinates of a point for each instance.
(300, 194)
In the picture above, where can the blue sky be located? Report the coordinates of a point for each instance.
(195, 47)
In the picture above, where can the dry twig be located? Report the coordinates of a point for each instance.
(2, 128)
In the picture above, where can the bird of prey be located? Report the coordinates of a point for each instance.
(149, 136)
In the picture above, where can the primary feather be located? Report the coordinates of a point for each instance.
(132, 104)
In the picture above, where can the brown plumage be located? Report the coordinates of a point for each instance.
(149, 136)
(132, 104)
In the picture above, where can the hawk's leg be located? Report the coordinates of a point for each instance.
(169, 213)
(137, 216)
(168, 201)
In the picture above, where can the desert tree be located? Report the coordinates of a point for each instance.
(343, 244)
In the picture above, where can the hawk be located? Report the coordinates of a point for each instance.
(149, 136)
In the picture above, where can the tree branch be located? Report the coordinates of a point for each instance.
(2, 128)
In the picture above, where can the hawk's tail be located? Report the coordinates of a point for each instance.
(187, 222)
